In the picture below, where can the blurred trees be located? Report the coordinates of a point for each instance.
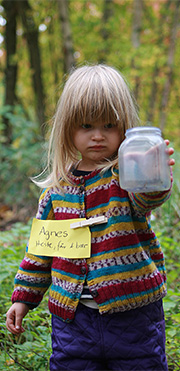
(23, 10)
(46, 38)
(170, 64)
(40, 42)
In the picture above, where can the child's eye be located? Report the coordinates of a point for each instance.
(86, 126)
(109, 126)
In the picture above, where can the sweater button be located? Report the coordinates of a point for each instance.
(81, 188)
(81, 180)
(83, 270)
(94, 293)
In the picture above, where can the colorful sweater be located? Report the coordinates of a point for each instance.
(126, 268)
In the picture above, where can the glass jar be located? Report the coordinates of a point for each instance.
(143, 161)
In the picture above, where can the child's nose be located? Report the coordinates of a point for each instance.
(97, 134)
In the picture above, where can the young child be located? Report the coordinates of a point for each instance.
(106, 310)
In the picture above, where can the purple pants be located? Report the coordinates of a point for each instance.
(132, 340)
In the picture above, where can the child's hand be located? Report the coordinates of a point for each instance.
(170, 152)
(14, 318)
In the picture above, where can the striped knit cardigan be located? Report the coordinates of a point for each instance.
(126, 268)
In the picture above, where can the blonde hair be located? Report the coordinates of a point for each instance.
(90, 93)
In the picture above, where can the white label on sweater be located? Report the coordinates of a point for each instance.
(57, 238)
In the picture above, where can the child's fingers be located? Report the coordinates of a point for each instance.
(18, 324)
(170, 152)
(171, 162)
(14, 321)
(16, 330)
(10, 324)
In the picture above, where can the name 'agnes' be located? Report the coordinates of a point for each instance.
(49, 234)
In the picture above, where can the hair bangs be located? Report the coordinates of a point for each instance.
(97, 110)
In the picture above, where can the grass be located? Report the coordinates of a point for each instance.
(32, 349)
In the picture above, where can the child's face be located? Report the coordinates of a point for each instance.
(96, 142)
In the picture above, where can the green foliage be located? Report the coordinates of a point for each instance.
(136, 63)
(32, 349)
(172, 300)
(20, 159)
(166, 224)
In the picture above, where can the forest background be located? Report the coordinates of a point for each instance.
(40, 41)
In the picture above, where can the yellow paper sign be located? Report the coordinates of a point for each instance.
(57, 238)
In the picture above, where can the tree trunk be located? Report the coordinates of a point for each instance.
(69, 62)
(170, 64)
(135, 37)
(11, 64)
(137, 22)
(154, 86)
(53, 60)
(107, 13)
(153, 94)
(31, 35)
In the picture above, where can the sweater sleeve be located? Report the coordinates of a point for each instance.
(34, 275)
(145, 202)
